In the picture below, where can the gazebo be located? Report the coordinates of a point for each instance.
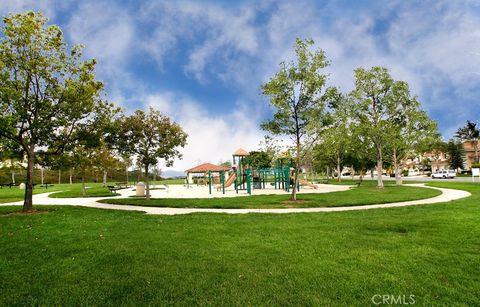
(202, 171)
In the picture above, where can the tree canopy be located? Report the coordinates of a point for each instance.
(45, 89)
(470, 133)
(297, 93)
(388, 116)
(151, 136)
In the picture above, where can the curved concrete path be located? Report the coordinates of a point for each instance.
(43, 199)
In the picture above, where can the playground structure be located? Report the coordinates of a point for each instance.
(245, 176)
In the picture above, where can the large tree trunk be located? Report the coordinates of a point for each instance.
(41, 175)
(398, 180)
(147, 184)
(379, 169)
(71, 175)
(13, 177)
(28, 202)
(104, 178)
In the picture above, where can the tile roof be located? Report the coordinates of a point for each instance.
(205, 167)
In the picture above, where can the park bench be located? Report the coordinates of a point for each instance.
(10, 185)
(122, 185)
(113, 189)
(46, 185)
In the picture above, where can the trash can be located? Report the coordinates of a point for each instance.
(140, 189)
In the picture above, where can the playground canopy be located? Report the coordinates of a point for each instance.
(241, 152)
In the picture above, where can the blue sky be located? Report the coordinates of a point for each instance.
(202, 62)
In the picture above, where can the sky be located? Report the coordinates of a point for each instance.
(203, 62)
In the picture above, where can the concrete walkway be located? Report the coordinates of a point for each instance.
(43, 199)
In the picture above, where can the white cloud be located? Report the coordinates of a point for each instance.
(210, 138)
(106, 30)
(434, 45)
(48, 7)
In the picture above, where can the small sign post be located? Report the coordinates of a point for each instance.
(475, 173)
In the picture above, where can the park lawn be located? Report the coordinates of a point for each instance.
(170, 181)
(363, 195)
(75, 192)
(67, 190)
(85, 256)
(13, 194)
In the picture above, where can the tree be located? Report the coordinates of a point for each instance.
(9, 151)
(45, 90)
(412, 130)
(438, 150)
(152, 136)
(297, 92)
(271, 146)
(456, 154)
(105, 160)
(60, 162)
(470, 133)
(336, 139)
(383, 106)
(262, 159)
(226, 164)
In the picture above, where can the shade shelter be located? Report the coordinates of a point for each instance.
(203, 169)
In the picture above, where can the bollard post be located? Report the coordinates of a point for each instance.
(209, 182)
(247, 173)
(223, 182)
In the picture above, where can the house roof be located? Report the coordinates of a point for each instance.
(241, 152)
(205, 167)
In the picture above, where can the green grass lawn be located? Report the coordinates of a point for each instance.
(170, 181)
(76, 191)
(67, 190)
(364, 195)
(84, 256)
(15, 194)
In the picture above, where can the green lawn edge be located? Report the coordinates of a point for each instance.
(88, 256)
(363, 195)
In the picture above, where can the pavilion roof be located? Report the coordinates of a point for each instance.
(205, 167)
